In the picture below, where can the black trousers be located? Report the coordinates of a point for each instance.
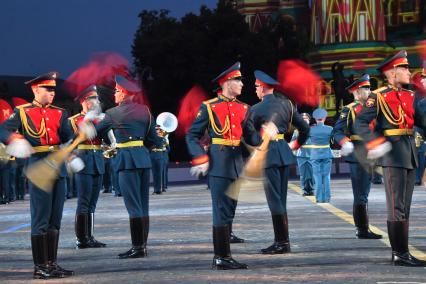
(399, 186)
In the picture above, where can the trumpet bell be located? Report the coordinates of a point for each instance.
(167, 121)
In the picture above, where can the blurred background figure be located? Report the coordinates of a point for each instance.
(303, 156)
(321, 155)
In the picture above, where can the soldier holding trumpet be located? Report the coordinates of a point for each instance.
(166, 123)
(279, 113)
(134, 131)
(42, 127)
(88, 181)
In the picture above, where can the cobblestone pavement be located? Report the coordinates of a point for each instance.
(324, 247)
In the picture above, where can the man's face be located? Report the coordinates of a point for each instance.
(93, 103)
(259, 91)
(118, 96)
(44, 95)
(363, 93)
(235, 86)
(402, 75)
(423, 81)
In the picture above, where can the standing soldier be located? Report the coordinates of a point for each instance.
(278, 113)
(88, 182)
(303, 157)
(157, 160)
(222, 118)
(343, 134)
(44, 126)
(321, 156)
(134, 131)
(166, 163)
(395, 111)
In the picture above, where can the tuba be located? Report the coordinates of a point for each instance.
(167, 123)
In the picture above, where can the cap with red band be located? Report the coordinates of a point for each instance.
(232, 72)
(398, 60)
(45, 80)
(364, 81)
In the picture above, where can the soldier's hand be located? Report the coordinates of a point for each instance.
(379, 151)
(76, 164)
(347, 148)
(270, 129)
(199, 170)
(19, 148)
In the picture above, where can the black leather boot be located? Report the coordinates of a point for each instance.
(281, 243)
(90, 228)
(52, 252)
(360, 214)
(398, 237)
(233, 239)
(139, 234)
(82, 231)
(42, 269)
(222, 250)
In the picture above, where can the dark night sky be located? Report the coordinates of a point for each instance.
(37, 36)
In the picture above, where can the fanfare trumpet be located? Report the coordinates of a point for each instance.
(167, 123)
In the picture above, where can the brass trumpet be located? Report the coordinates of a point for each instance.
(109, 151)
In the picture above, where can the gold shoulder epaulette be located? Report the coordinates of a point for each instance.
(24, 105)
(57, 107)
(74, 116)
(210, 101)
(379, 90)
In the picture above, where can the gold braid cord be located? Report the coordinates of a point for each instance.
(216, 129)
(387, 112)
(32, 133)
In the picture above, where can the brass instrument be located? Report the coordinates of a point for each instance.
(4, 157)
(418, 138)
(167, 123)
(44, 172)
(255, 165)
(109, 151)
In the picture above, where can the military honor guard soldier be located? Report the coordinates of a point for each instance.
(273, 116)
(303, 157)
(158, 161)
(321, 156)
(41, 127)
(222, 117)
(88, 181)
(134, 131)
(396, 111)
(344, 135)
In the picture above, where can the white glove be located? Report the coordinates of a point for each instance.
(347, 148)
(200, 170)
(112, 139)
(270, 129)
(19, 148)
(88, 129)
(76, 165)
(379, 151)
